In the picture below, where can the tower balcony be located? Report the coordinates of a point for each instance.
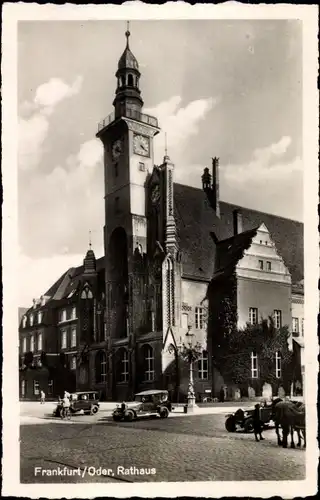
(133, 114)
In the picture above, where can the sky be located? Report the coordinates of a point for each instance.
(225, 88)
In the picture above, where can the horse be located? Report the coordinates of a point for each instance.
(291, 417)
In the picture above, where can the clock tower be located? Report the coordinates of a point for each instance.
(127, 136)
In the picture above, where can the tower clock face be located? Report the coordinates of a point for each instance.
(141, 145)
(117, 148)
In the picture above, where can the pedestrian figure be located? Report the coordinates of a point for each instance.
(257, 423)
(222, 395)
(42, 397)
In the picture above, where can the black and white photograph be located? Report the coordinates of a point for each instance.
(160, 201)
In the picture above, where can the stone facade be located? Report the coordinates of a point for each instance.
(163, 244)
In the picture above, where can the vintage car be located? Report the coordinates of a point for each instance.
(86, 402)
(243, 419)
(146, 403)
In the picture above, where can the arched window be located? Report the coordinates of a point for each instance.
(101, 367)
(122, 81)
(148, 360)
(32, 343)
(203, 366)
(130, 80)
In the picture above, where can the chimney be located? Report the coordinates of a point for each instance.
(215, 185)
(237, 222)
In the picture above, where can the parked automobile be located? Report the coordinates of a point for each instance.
(243, 419)
(88, 402)
(146, 403)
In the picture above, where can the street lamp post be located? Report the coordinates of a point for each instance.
(191, 394)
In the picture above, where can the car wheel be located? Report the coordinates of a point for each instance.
(94, 410)
(248, 425)
(129, 416)
(230, 424)
(164, 412)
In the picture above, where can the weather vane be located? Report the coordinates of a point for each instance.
(90, 239)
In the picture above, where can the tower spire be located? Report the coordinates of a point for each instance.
(90, 240)
(128, 33)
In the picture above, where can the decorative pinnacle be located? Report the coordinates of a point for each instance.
(90, 240)
(166, 157)
(128, 33)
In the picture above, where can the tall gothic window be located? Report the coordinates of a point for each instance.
(203, 366)
(101, 367)
(122, 365)
(148, 358)
(170, 293)
(254, 365)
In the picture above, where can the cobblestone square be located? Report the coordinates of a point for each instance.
(182, 448)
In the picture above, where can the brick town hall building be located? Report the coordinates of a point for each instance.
(114, 323)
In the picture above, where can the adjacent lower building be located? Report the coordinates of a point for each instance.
(115, 324)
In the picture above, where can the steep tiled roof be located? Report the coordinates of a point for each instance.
(70, 280)
(196, 220)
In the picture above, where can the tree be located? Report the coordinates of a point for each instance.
(232, 357)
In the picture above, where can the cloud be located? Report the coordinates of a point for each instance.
(65, 204)
(262, 182)
(39, 274)
(179, 123)
(32, 134)
(265, 155)
(49, 94)
(34, 123)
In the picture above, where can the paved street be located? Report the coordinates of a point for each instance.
(180, 448)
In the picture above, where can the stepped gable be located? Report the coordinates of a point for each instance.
(196, 220)
(231, 250)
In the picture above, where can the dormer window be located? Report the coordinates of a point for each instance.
(39, 317)
(31, 319)
(24, 321)
(261, 265)
(268, 266)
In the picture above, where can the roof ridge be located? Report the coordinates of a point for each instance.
(242, 207)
